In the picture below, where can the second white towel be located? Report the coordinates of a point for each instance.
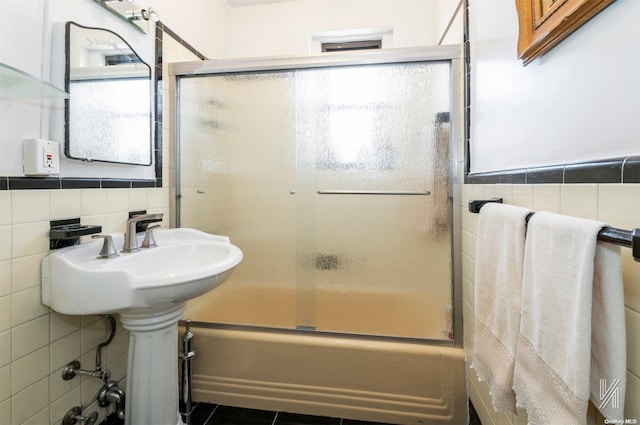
(498, 285)
(558, 356)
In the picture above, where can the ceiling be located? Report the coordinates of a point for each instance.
(243, 3)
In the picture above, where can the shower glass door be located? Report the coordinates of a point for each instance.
(335, 183)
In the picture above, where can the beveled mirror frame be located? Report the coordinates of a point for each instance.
(545, 23)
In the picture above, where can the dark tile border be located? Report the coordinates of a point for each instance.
(80, 184)
(615, 170)
(26, 183)
(631, 170)
(35, 183)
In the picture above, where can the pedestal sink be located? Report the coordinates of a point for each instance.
(149, 289)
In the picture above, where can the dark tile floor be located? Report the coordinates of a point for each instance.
(211, 414)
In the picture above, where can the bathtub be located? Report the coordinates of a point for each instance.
(394, 380)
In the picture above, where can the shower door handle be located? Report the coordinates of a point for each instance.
(373, 192)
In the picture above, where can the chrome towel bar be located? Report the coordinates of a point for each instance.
(626, 238)
(373, 192)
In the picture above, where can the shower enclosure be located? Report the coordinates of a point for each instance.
(334, 176)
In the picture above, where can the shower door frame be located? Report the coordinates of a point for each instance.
(452, 53)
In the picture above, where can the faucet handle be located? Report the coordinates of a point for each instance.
(149, 241)
(108, 249)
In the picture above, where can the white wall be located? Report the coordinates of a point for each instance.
(579, 102)
(283, 29)
(202, 23)
(32, 39)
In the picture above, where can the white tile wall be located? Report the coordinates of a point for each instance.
(36, 343)
(616, 204)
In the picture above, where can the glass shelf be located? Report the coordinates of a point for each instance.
(16, 84)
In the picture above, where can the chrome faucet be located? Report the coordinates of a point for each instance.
(130, 240)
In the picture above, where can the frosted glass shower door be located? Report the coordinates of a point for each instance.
(374, 228)
(335, 184)
(237, 167)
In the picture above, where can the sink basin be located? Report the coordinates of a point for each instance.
(185, 264)
(148, 289)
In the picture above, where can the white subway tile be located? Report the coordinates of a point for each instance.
(88, 319)
(118, 347)
(92, 335)
(27, 305)
(503, 191)
(469, 242)
(30, 401)
(157, 198)
(631, 279)
(65, 204)
(546, 197)
(5, 313)
(138, 199)
(118, 367)
(467, 314)
(5, 207)
(5, 243)
(579, 200)
(94, 201)
(5, 383)
(523, 195)
(5, 412)
(5, 278)
(117, 222)
(63, 325)
(30, 238)
(619, 205)
(26, 272)
(58, 387)
(65, 350)
(468, 267)
(39, 418)
(468, 291)
(29, 369)
(59, 408)
(29, 337)
(5, 348)
(632, 322)
(631, 405)
(28, 206)
(117, 200)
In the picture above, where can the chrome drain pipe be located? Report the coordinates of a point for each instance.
(186, 404)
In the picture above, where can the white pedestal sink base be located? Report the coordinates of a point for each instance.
(152, 372)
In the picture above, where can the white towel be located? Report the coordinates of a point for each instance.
(554, 375)
(498, 285)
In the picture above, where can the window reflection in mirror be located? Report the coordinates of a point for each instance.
(108, 114)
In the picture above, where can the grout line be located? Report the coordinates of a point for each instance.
(210, 415)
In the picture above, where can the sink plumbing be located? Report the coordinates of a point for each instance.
(108, 394)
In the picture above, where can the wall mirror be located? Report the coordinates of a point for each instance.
(108, 114)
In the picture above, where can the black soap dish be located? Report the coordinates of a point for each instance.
(63, 233)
